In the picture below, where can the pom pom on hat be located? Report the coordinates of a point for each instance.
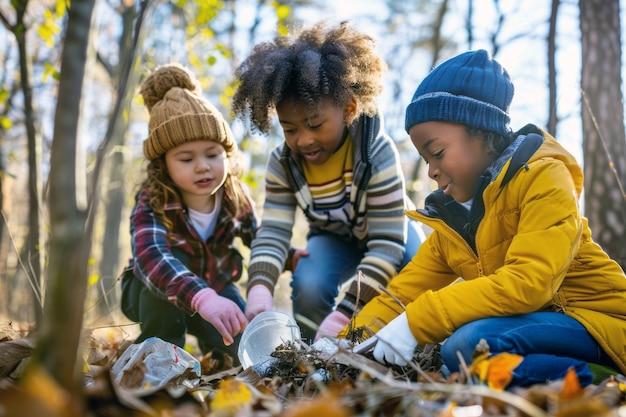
(178, 113)
(470, 89)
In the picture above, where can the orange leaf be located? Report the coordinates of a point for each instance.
(571, 386)
(325, 405)
(497, 370)
(501, 370)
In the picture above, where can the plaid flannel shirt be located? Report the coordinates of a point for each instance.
(176, 265)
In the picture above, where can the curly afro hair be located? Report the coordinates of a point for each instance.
(312, 65)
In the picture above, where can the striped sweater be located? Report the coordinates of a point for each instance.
(377, 223)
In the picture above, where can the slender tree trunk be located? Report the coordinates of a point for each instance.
(436, 46)
(59, 334)
(34, 260)
(4, 246)
(114, 189)
(553, 118)
(127, 74)
(604, 142)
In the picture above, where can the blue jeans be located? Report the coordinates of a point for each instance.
(331, 262)
(550, 343)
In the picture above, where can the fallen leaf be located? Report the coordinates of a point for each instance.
(571, 386)
(231, 398)
(325, 405)
(12, 352)
(497, 370)
(37, 394)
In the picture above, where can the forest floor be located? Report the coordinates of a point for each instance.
(322, 380)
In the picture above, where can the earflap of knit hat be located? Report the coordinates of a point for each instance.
(178, 113)
(471, 88)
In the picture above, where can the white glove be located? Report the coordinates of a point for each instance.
(396, 343)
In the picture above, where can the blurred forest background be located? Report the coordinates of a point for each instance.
(72, 124)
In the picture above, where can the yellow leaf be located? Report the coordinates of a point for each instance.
(93, 279)
(282, 29)
(36, 394)
(5, 122)
(194, 60)
(231, 396)
(207, 32)
(60, 7)
(282, 11)
(46, 35)
(40, 384)
(49, 70)
(480, 366)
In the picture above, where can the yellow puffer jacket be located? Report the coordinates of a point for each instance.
(533, 251)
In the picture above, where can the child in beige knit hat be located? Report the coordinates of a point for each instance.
(187, 213)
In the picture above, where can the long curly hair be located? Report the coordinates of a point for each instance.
(310, 66)
(164, 192)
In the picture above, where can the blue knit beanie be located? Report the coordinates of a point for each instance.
(470, 89)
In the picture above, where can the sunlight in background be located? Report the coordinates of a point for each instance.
(523, 51)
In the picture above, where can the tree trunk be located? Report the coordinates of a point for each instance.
(110, 264)
(553, 117)
(59, 334)
(604, 142)
(127, 74)
(35, 241)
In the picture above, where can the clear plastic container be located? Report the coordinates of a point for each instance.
(264, 334)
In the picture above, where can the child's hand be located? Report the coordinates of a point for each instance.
(259, 300)
(293, 257)
(396, 343)
(332, 325)
(221, 312)
(297, 254)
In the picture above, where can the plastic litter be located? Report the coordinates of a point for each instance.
(264, 334)
(155, 364)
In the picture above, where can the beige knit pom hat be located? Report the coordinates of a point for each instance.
(179, 114)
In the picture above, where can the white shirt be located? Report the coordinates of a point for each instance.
(204, 223)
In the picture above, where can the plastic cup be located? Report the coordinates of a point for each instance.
(263, 335)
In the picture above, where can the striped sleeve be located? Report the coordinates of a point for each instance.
(382, 223)
(271, 245)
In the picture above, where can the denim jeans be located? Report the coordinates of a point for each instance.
(550, 343)
(162, 319)
(331, 262)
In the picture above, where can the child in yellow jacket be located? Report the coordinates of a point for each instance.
(505, 219)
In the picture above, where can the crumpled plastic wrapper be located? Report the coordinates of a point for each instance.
(155, 364)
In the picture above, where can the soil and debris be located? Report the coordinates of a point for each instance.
(325, 379)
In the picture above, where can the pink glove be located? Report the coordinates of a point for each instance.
(332, 325)
(221, 312)
(259, 300)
